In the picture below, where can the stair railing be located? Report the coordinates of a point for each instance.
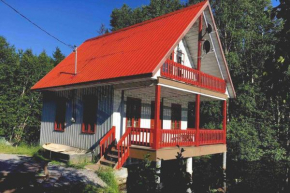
(107, 140)
(123, 147)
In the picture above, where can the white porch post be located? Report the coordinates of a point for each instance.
(189, 165)
(158, 171)
(224, 171)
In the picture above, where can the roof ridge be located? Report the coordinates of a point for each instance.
(149, 20)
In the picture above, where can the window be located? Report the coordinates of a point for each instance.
(89, 114)
(171, 57)
(153, 114)
(133, 112)
(191, 115)
(179, 57)
(59, 122)
(175, 116)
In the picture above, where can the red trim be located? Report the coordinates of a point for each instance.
(197, 109)
(107, 140)
(156, 135)
(225, 121)
(58, 127)
(89, 131)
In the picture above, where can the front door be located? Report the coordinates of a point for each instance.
(175, 116)
(133, 112)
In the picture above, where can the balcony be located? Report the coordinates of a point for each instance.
(179, 72)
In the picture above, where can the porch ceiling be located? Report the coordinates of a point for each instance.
(169, 95)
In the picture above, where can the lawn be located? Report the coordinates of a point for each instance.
(22, 149)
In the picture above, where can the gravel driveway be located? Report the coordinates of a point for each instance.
(19, 172)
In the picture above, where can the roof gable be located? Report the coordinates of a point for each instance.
(135, 50)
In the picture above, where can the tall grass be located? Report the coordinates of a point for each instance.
(107, 175)
(22, 149)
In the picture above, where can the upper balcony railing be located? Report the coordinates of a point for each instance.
(188, 75)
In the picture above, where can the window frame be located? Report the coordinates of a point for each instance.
(90, 108)
(60, 114)
(133, 101)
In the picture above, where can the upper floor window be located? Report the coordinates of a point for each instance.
(179, 57)
(59, 122)
(90, 104)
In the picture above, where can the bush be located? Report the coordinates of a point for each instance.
(107, 175)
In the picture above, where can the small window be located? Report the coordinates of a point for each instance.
(90, 104)
(171, 57)
(59, 122)
(179, 57)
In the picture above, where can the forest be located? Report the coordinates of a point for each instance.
(256, 41)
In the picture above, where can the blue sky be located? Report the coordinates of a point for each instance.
(72, 21)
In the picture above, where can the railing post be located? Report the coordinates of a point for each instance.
(156, 132)
(197, 107)
(225, 121)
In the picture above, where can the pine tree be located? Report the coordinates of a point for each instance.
(57, 56)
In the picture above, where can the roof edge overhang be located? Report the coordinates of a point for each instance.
(96, 83)
(206, 5)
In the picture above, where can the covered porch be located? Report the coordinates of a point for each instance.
(165, 114)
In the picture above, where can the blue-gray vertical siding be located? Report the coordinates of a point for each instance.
(72, 135)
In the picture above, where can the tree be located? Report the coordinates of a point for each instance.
(125, 16)
(57, 56)
(102, 30)
(20, 107)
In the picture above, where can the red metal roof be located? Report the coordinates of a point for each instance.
(134, 50)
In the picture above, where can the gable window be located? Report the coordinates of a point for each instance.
(89, 114)
(171, 57)
(133, 112)
(175, 116)
(179, 57)
(59, 122)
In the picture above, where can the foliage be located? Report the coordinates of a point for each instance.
(126, 16)
(102, 30)
(20, 108)
(23, 149)
(107, 175)
(142, 176)
(57, 56)
(177, 179)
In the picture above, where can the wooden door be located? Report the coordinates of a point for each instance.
(175, 116)
(133, 112)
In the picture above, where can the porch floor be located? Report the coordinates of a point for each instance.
(169, 153)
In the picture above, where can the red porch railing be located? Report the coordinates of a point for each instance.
(171, 138)
(208, 136)
(107, 140)
(188, 75)
(141, 136)
(123, 148)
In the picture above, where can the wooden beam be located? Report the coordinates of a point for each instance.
(191, 88)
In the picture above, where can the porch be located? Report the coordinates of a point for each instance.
(155, 119)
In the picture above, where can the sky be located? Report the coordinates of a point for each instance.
(72, 21)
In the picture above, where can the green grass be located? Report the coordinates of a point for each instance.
(22, 149)
(107, 175)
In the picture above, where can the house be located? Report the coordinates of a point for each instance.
(141, 86)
